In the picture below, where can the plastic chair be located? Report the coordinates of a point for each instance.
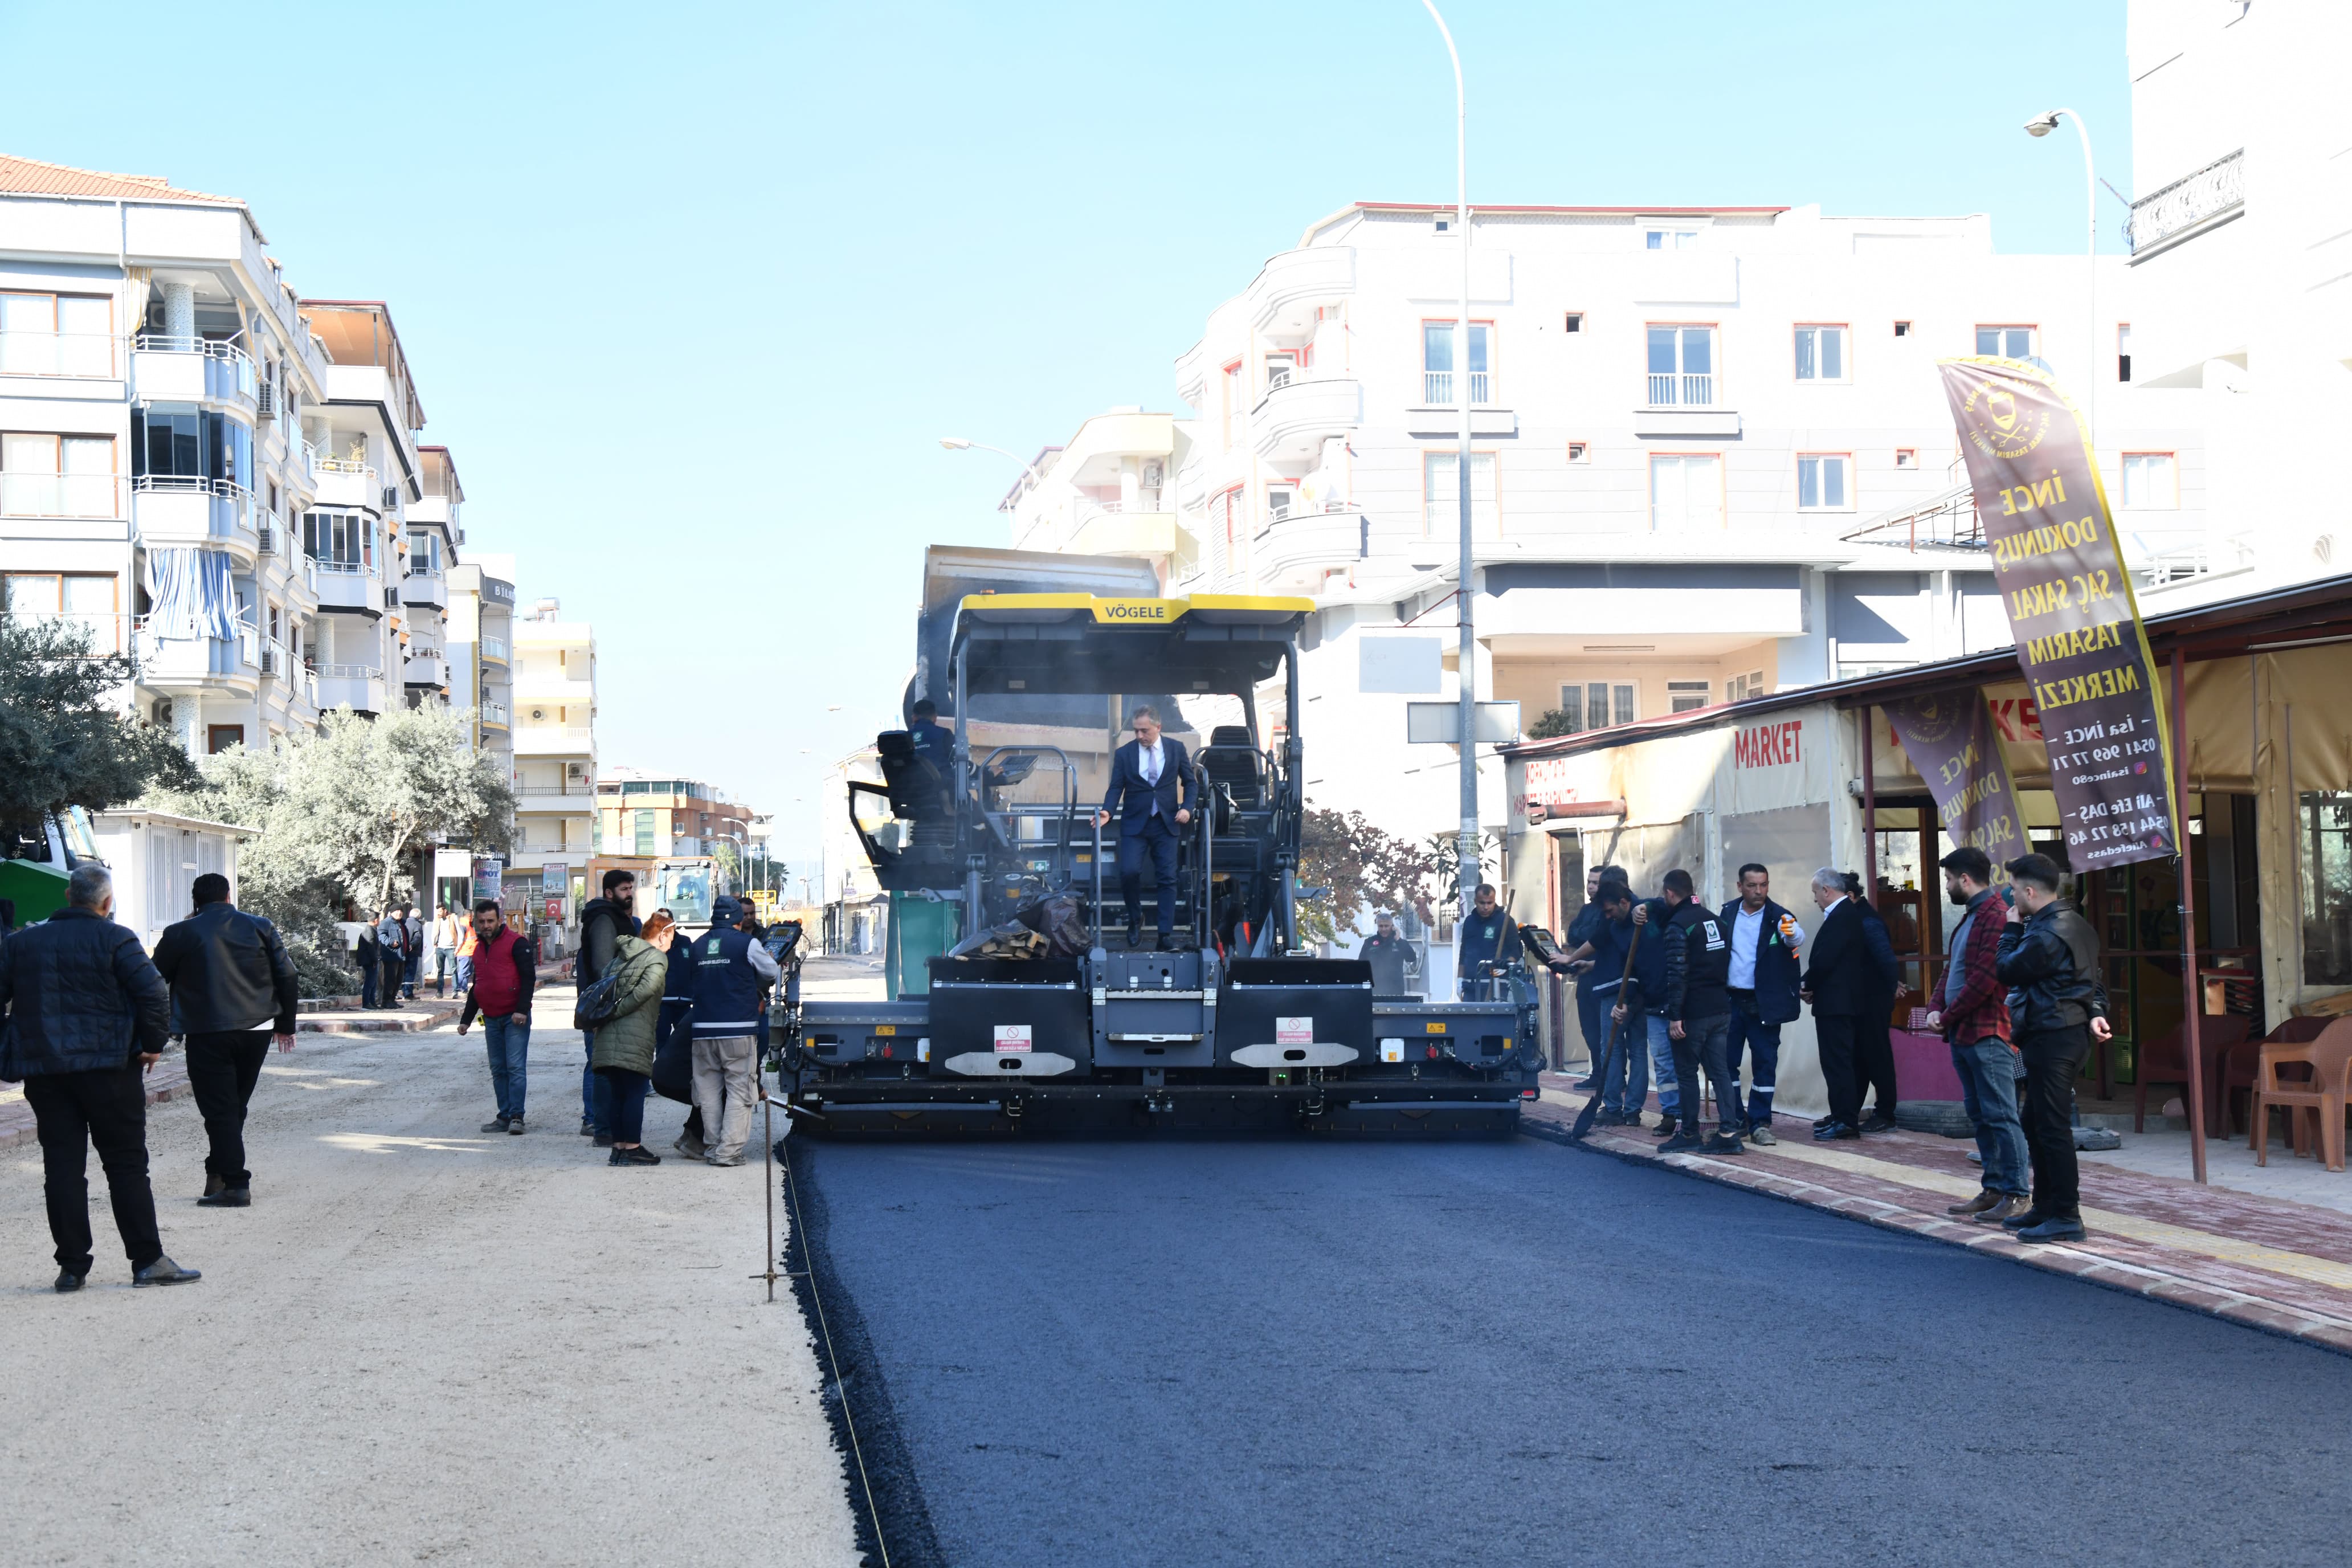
(2238, 1065)
(2165, 1060)
(2330, 1060)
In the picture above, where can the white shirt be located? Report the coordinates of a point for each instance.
(1149, 759)
(1746, 931)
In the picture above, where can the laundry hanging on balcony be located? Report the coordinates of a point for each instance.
(190, 595)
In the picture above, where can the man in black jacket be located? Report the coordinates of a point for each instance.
(2049, 962)
(1697, 1010)
(86, 1016)
(604, 922)
(234, 988)
(1841, 985)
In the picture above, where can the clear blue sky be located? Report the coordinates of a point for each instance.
(691, 291)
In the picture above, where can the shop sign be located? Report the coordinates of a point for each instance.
(1774, 766)
(2088, 666)
(1949, 740)
(1769, 745)
(487, 876)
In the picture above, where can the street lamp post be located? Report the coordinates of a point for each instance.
(958, 444)
(1466, 658)
(2043, 127)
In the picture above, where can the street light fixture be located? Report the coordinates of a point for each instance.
(1466, 658)
(2037, 128)
(963, 444)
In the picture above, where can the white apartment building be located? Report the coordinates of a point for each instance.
(2240, 272)
(480, 648)
(154, 371)
(1712, 457)
(554, 740)
(1110, 491)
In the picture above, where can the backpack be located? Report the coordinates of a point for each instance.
(597, 998)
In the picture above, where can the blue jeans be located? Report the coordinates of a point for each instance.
(1627, 1083)
(370, 970)
(595, 1094)
(508, 1038)
(1763, 1040)
(1662, 1067)
(1154, 838)
(1989, 1080)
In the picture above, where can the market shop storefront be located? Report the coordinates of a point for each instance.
(1819, 778)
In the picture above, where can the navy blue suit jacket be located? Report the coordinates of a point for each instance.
(1129, 798)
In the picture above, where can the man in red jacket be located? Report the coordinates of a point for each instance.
(1973, 1013)
(506, 964)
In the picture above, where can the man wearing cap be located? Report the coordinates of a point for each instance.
(1396, 968)
(732, 975)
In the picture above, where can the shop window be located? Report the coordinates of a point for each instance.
(2324, 848)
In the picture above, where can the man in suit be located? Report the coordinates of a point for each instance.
(1842, 986)
(1151, 796)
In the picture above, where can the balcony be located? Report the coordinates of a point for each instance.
(2208, 198)
(2172, 558)
(426, 590)
(1437, 387)
(494, 716)
(552, 690)
(1297, 549)
(556, 741)
(424, 667)
(169, 510)
(1282, 296)
(165, 369)
(198, 663)
(569, 799)
(1107, 528)
(341, 481)
(358, 687)
(494, 650)
(1292, 421)
(347, 585)
(92, 356)
(61, 495)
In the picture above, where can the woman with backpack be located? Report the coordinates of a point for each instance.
(626, 1002)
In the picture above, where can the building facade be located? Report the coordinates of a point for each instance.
(480, 652)
(554, 742)
(647, 819)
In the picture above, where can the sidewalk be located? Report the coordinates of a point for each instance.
(2257, 1260)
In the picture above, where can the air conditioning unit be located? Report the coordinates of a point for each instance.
(391, 599)
(269, 661)
(391, 498)
(576, 770)
(538, 715)
(264, 401)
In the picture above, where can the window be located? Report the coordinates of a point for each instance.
(1906, 457)
(644, 833)
(219, 738)
(1902, 328)
(57, 334)
(1579, 452)
(1821, 353)
(184, 446)
(2325, 847)
(344, 539)
(1437, 363)
(1441, 482)
(2005, 343)
(1740, 687)
(2123, 352)
(44, 475)
(1574, 322)
(1686, 493)
(2151, 482)
(1235, 409)
(1280, 368)
(1279, 500)
(1586, 705)
(424, 553)
(1669, 238)
(1686, 696)
(77, 598)
(1229, 507)
(1821, 482)
(1682, 366)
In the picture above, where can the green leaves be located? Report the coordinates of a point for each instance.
(64, 739)
(1360, 865)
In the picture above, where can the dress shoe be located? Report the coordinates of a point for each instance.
(2057, 1228)
(1835, 1132)
(1823, 1120)
(2028, 1216)
(1761, 1136)
(1134, 938)
(212, 1183)
(1876, 1123)
(163, 1271)
(1682, 1143)
(2001, 1212)
(1977, 1205)
(228, 1198)
(69, 1281)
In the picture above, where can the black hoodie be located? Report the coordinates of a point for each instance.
(603, 923)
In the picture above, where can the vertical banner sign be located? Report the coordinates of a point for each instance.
(1949, 738)
(2070, 604)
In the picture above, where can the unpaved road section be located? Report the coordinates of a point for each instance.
(421, 1343)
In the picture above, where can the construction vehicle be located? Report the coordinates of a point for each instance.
(1041, 1015)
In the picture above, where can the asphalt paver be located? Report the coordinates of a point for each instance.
(1286, 1352)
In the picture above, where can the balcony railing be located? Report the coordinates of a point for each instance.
(339, 465)
(94, 355)
(107, 633)
(60, 495)
(238, 363)
(2189, 200)
(495, 713)
(308, 457)
(350, 672)
(495, 648)
(555, 789)
(339, 568)
(1437, 387)
(1681, 391)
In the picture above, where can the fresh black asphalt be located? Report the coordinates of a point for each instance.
(1294, 1354)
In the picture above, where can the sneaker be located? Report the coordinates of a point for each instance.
(228, 1198)
(692, 1148)
(604, 1140)
(1823, 1120)
(1876, 1122)
(640, 1155)
(715, 1159)
(1761, 1136)
(1665, 1128)
(498, 1124)
(514, 1128)
(1681, 1142)
(1724, 1144)
(1588, 1083)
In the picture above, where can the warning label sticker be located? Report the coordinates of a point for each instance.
(1294, 1031)
(1013, 1036)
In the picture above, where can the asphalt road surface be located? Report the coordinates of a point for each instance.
(1283, 1353)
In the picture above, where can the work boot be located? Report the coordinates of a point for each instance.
(2018, 1219)
(2009, 1207)
(228, 1198)
(2057, 1228)
(1761, 1136)
(1665, 1128)
(1977, 1205)
(213, 1184)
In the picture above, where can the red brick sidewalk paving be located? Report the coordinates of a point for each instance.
(2263, 1262)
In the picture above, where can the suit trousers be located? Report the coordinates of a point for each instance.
(107, 1107)
(1157, 839)
(1874, 1060)
(223, 1069)
(1836, 1033)
(2053, 1057)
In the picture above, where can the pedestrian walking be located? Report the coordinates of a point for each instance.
(1874, 1041)
(449, 931)
(1973, 1011)
(1396, 966)
(506, 968)
(1697, 1010)
(1762, 980)
(604, 920)
(233, 989)
(86, 1016)
(1841, 985)
(392, 957)
(1591, 976)
(731, 977)
(623, 1057)
(1644, 1014)
(2049, 961)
